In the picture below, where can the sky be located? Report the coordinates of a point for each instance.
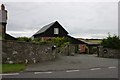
(83, 19)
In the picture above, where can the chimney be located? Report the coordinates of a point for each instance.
(3, 22)
(2, 7)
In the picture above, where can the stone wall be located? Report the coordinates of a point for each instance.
(109, 53)
(24, 52)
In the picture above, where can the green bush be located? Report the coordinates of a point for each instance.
(36, 40)
(26, 39)
(111, 42)
(60, 41)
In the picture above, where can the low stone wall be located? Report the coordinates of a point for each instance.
(24, 52)
(109, 53)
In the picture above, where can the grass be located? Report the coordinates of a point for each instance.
(9, 68)
(95, 41)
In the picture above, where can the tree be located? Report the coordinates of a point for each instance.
(112, 42)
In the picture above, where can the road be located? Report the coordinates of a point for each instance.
(108, 72)
(79, 66)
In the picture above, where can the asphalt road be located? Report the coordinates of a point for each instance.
(79, 66)
(106, 72)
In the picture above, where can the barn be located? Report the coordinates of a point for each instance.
(55, 29)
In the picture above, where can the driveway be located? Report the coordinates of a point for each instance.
(79, 61)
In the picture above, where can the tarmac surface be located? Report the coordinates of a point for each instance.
(78, 66)
(79, 61)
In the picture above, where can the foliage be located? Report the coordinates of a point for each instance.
(36, 40)
(26, 39)
(60, 41)
(98, 41)
(111, 42)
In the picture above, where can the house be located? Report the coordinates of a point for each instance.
(3, 23)
(53, 29)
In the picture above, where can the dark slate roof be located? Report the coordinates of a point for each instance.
(43, 29)
(90, 43)
(9, 37)
(76, 41)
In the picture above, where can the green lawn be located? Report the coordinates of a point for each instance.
(9, 68)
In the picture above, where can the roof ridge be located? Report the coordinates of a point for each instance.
(44, 28)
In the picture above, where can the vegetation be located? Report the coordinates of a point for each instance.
(26, 39)
(37, 40)
(94, 41)
(60, 41)
(8, 68)
(112, 42)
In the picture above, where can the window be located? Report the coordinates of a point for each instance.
(56, 31)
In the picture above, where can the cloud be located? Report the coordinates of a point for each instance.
(78, 18)
(61, 0)
(90, 36)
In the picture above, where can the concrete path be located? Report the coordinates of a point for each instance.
(80, 61)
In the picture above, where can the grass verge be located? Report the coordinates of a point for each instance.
(10, 68)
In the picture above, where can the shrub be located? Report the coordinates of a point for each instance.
(26, 39)
(111, 42)
(60, 41)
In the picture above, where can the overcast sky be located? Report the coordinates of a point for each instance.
(80, 19)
